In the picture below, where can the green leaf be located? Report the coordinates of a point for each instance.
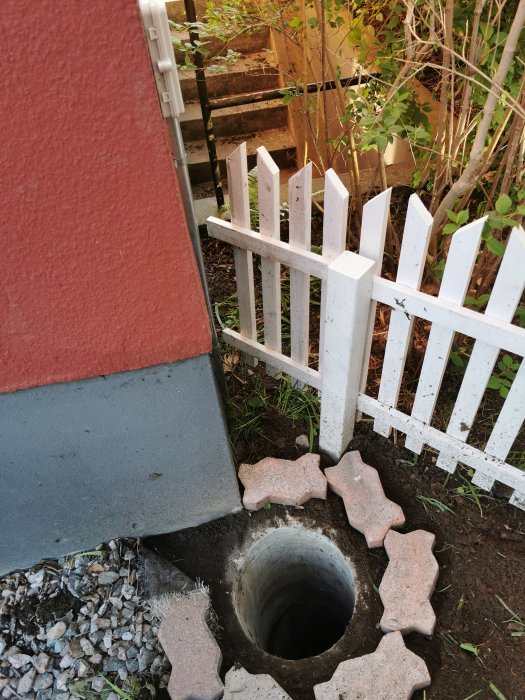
(453, 217)
(313, 22)
(497, 692)
(494, 383)
(457, 360)
(495, 246)
(507, 360)
(295, 22)
(471, 648)
(449, 228)
(462, 217)
(504, 204)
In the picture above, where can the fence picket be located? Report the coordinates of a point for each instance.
(506, 294)
(348, 293)
(416, 237)
(372, 245)
(237, 171)
(454, 285)
(334, 235)
(506, 428)
(300, 208)
(269, 225)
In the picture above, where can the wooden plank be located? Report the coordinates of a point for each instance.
(462, 254)
(372, 245)
(505, 296)
(348, 304)
(335, 219)
(269, 225)
(300, 234)
(466, 321)
(416, 237)
(306, 375)
(472, 457)
(310, 263)
(506, 428)
(237, 170)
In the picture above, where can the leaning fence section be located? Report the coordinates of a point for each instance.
(351, 286)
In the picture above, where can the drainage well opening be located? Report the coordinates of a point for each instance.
(295, 593)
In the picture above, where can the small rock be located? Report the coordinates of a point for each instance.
(98, 684)
(107, 578)
(241, 685)
(26, 682)
(96, 659)
(75, 649)
(57, 631)
(43, 681)
(83, 669)
(87, 647)
(18, 660)
(41, 662)
(302, 441)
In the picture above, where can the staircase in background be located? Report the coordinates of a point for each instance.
(260, 124)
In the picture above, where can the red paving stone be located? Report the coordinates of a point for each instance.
(408, 583)
(368, 509)
(241, 685)
(391, 672)
(192, 650)
(289, 483)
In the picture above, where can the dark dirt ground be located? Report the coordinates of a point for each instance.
(480, 538)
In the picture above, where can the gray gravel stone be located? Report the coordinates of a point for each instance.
(43, 681)
(26, 682)
(57, 631)
(107, 578)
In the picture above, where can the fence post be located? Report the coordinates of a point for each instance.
(348, 299)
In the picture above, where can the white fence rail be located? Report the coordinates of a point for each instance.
(351, 286)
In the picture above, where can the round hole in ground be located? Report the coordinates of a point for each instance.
(295, 593)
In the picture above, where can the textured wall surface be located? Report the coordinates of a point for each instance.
(96, 268)
(87, 461)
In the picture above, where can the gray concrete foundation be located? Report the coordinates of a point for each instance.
(131, 454)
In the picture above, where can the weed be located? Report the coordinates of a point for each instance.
(497, 692)
(90, 553)
(473, 695)
(428, 502)
(471, 649)
(514, 618)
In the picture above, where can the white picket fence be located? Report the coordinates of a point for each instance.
(351, 287)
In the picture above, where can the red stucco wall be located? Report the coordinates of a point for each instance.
(96, 268)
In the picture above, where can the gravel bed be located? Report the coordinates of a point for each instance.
(70, 629)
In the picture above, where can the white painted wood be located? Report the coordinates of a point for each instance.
(478, 326)
(472, 457)
(506, 428)
(335, 219)
(269, 225)
(416, 237)
(372, 246)
(306, 375)
(309, 263)
(300, 234)
(237, 170)
(461, 257)
(348, 296)
(505, 296)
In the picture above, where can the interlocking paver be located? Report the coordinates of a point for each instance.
(290, 483)
(241, 685)
(192, 650)
(391, 672)
(368, 509)
(408, 583)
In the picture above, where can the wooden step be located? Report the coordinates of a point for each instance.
(254, 71)
(279, 143)
(232, 121)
